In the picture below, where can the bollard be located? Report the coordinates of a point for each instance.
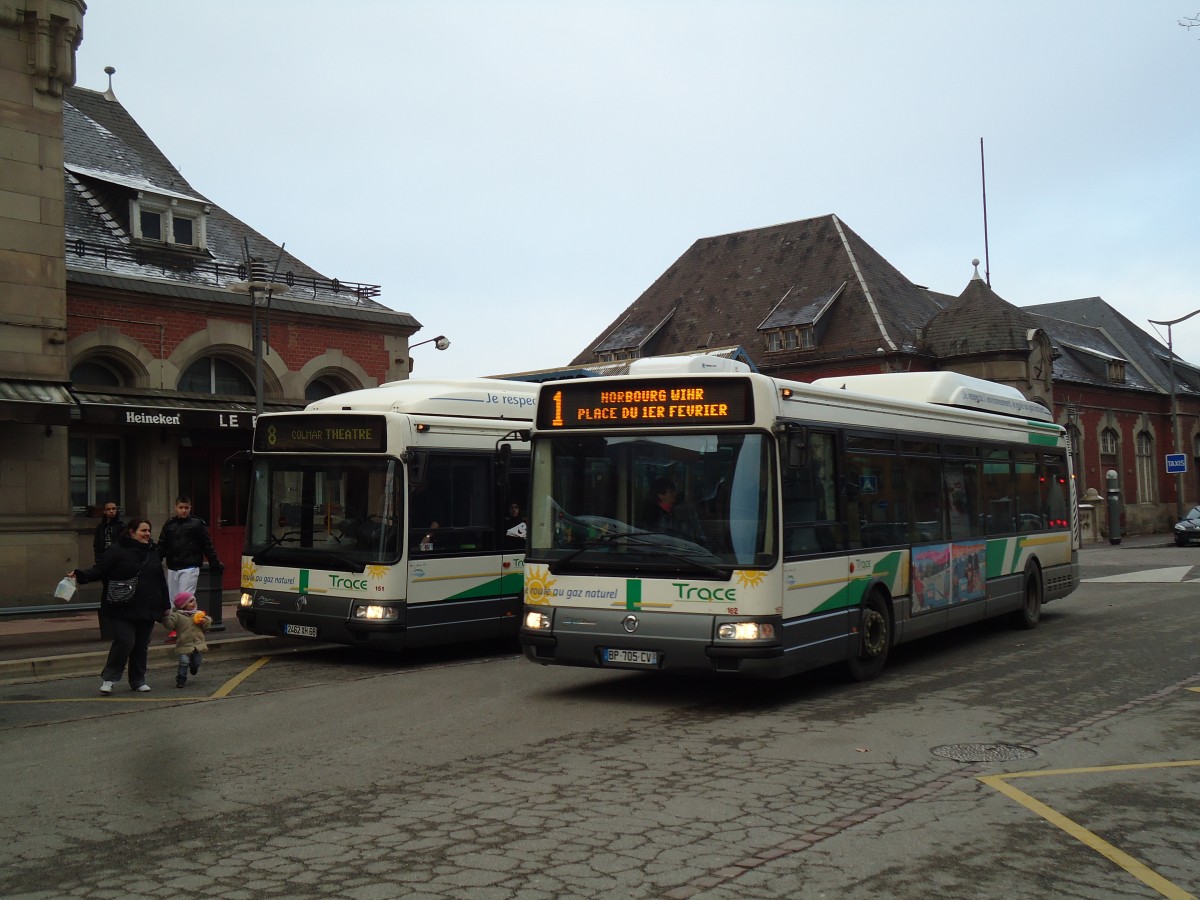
(1114, 507)
(209, 597)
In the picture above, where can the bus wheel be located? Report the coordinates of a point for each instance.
(873, 639)
(1030, 613)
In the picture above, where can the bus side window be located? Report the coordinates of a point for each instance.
(808, 500)
(456, 494)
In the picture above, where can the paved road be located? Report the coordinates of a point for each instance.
(476, 774)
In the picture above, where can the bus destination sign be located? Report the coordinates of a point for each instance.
(645, 402)
(306, 433)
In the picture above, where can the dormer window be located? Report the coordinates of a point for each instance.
(168, 221)
(151, 223)
(795, 338)
(183, 230)
(1116, 371)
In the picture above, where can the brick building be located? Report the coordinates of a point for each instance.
(811, 298)
(131, 303)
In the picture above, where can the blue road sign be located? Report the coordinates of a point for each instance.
(1176, 463)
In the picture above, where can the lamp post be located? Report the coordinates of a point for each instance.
(441, 342)
(254, 287)
(1175, 404)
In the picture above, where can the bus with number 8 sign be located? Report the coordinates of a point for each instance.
(385, 517)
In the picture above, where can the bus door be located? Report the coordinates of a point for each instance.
(455, 579)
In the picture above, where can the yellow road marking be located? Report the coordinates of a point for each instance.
(1137, 869)
(227, 688)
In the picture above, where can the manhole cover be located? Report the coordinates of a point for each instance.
(983, 752)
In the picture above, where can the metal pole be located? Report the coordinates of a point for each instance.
(258, 353)
(1175, 424)
(1175, 437)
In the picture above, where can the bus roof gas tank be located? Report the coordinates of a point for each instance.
(686, 365)
(487, 398)
(944, 389)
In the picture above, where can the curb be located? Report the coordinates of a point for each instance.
(44, 668)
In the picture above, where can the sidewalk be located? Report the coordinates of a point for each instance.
(63, 645)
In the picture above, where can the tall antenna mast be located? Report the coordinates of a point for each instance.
(987, 261)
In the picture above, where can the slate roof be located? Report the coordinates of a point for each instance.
(978, 321)
(1088, 330)
(108, 158)
(725, 288)
(619, 367)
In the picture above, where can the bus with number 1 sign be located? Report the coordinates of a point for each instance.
(693, 516)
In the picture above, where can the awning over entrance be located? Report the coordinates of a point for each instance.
(169, 409)
(35, 402)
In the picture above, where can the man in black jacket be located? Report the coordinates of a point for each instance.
(184, 544)
(109, 530)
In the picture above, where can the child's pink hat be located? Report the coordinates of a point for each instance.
(182, 599)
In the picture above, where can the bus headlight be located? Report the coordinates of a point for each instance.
(537, 621)
(246, 600)
(378, 613)
(746, 631)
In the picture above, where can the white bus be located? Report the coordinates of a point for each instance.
(695, 517)
(380, 517)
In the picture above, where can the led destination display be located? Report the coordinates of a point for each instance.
(645, 402)
(320, 434)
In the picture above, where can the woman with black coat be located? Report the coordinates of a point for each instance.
(132, 621)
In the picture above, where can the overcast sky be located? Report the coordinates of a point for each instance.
(515, 174)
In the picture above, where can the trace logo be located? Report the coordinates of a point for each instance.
(685, 591)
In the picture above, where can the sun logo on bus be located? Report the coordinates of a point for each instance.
(537, 585)
(376, 572)
(248, 573)
(750, 579)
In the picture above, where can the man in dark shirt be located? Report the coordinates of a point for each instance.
(108, 530)
(184, 544)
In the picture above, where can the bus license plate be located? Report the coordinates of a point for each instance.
(631, 657)
(308, 631)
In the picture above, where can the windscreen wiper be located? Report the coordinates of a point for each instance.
(589, 544)
(638, 538)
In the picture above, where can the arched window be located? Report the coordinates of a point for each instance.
(96, 372)
(1147, 483)
(214, 375)
(1108, 443)
(320, 388)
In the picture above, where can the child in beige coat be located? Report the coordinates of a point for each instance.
(190, 624)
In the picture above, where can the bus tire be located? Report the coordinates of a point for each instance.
(873, 640)
(1030, 613)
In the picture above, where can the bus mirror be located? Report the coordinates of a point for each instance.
(416, 466)
(797, 446)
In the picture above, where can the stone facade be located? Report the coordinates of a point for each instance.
(38, 39)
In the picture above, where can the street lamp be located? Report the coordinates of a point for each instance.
(441, 342)
(254, 287)
(1175, 404)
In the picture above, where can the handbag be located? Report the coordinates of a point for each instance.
(121, 592)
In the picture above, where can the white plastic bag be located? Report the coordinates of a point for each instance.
(65, 589)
